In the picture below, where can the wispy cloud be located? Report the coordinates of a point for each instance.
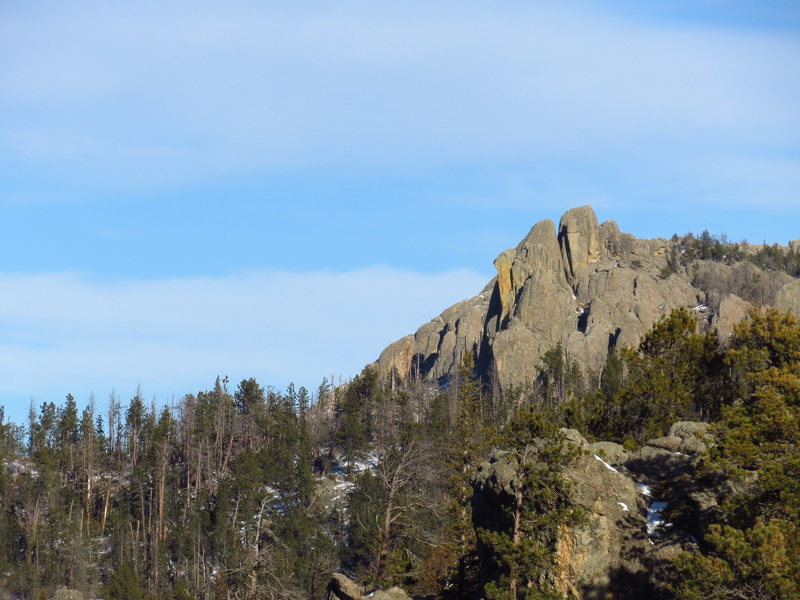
(482, 113)
(148, 94)
(66, 332)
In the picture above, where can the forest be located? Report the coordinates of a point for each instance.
(243, 491)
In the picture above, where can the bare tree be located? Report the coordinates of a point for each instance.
(407, 480)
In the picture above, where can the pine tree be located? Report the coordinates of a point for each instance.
(752, 552)
(354, 412)
(675, 374)
(123, 584)
(468, 440)
(523, 547)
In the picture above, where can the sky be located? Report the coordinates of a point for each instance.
(279, 190)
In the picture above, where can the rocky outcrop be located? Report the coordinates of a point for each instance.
(611, 544)
(438, 346)
(586, 286)
(732, 309)
(607, 550)
(671, 456)
(578, 236)
(64, 593)
(342, 587)
(788, 297)
(616, 551)
(393, 593)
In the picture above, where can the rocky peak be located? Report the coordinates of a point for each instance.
(578, 238)
(586, 286)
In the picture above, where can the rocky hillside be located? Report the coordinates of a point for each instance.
(588, 287)
(622, 548)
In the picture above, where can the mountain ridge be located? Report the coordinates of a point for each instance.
(589, 288)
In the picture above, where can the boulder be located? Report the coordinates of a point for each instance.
(342, 587)
(393, 593)
(694, 436)
(653, 464)
(689, 429)
(671, 443)
(603, 553)
(614, 454)
(671, 456)
(64, 593)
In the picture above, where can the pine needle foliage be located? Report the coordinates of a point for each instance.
(524, 551)
(752, 552)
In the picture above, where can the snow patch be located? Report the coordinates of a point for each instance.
(607, 466)
(624, 506)
(644, 488)
(654, 520)
(369, 463)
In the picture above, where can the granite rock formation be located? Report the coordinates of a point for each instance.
(618, 550)
(588, 287)
(342, 587)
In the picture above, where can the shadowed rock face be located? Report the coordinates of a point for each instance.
(585, 285)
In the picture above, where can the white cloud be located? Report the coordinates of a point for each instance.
(158, 92)
(68, 333)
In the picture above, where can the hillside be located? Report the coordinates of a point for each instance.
(608, 418)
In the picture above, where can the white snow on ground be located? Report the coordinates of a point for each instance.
(654, 520)
(654, 510)
(338, 483)
(16, 467)
(369, 463)
(608, 466)
(624, 506)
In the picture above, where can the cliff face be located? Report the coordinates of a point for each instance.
(586, 286)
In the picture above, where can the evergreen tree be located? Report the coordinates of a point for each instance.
(354, 413)
(470, 436)
(752, 551)
(676, 374)
(522, 547)
(123, 584)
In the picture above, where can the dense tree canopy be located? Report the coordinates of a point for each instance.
(262, 494)
(752, 551)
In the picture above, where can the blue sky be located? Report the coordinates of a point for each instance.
(279, 190)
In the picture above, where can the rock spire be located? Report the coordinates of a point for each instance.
(582, 284)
